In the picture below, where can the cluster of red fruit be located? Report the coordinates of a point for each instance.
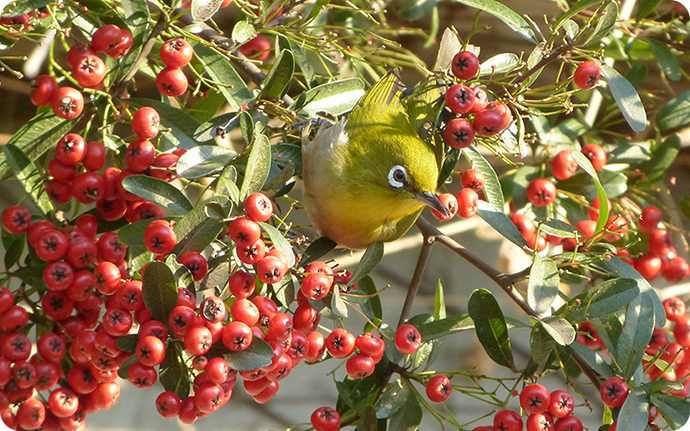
(465, 203)
(175, 54)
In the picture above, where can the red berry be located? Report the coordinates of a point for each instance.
(460, 98)
(481, 100)
(140, 155)
(459, 133)
(561, 404)
(535, 399)
(465, 65)
(587, 75)
(88, 187)
(70, 149)
(77, 52)
(502, 109)
(106, 38)
(172, 82)
(94, 159)
(257, 48)
(340, 343)
(67, 103)
(649, 219)
(16, 220)
(507, 420)
(159, 237)
(408, 339)
(571, 423)
(467, 203)
(450, 202)
(325, 419)
(360, 366)
(614, 391)
(176, 53)
(473, 179)
(123, 47)
(89, 70)
(271, 269)
(488, 122)
(168, 404)
(563, 166)
(258, 207)
(539, 422)
(146, 122)
(439, 388)
(42, 90)
(244, 231)
(541, 192)
(596, 155)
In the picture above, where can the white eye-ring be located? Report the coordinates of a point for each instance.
(397, 177)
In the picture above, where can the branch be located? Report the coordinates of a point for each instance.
(247, 67)
(416, 278)
(431, 234)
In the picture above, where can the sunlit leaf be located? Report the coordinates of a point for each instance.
(626, 98)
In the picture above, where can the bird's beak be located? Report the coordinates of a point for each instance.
(431, 200)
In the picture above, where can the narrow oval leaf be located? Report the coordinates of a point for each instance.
(258, 167)
(502, 224)
(217, 126)
(543, 284)
(626, 98)
(159, 290)
(501, 63)
(158, 191)
(605, 298)
(409, 416)
(574, 10)
(336, 98)
(491, 328)
(666, 59)
(634, 339)
(195, 231)
(541, 345)
(675, 113)
(279, 77)
(593, 359)
(26, 172)
(204, 9)
(662, 158)
(440, 328)
(560, 228)
(279, 242)
(219, 68)
(505, 14)
(257, 355)
(372, 307)
(173, 372)
(492, 188)
(316, 250)
(559, 329)
(372, 256)
(242, 32)
(449, 46)
(634, 413)
(204, 160)
(674, 409)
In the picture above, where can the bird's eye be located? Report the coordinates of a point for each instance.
(397, 177)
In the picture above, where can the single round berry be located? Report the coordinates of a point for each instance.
(258, 207)
(325, 419)
(450, 203)
(468, 203)
(541, 192)
(473, 179)
(257, 48)
(465, 65)
(42, 90)
(596, 155)
(106, 37)
(460, 98)
(614, 391)
(16, 220)
(67, 103)
(563, 166)
(172, 82)
(459, 133)
(535, 398)
(146, 122)
(587, 75)
(488, 122)
(176, 53)
(439, 388)
(408, 339)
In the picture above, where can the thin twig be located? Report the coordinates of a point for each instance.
(416, 278)
(431, 234)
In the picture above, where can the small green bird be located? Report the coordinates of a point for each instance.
(367, 178)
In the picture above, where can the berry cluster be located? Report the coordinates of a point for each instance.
(175, 54)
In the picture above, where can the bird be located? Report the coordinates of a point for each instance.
(368, 177)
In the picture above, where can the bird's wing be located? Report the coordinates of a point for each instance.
(381, 103)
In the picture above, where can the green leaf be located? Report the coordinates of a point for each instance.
(559, 329)
(25, 171)
(258, 354)
(501, 63)
(560, 229)
(372, 307)
(338, 306)
(127, 343)
(203, 160)
(159, 290)
(158, 191)
(520, 181)
(593, 359)
(674, 409)
(219, 68)
(601, 300)
(258, 167)
(634, 413)
(675, 113)
(574, 10)
(502, 224)
(667, 61)
(204, 9)
(440, 328)
(449, 46)
(217, 126)
(604, 24)
(35, 137)
(14, 248)
(402, 406)
(439, 302)
(638, 329)
(505, 14)
(491, 327)
(122, 370)
(449, 163)
(543, 284)
(415, 9)
(492, 188)
(12, 9)
(173, 372)
(645, 7)
(279, 77)
(242, 32)
(372, 256)
(316, 250)
(335, 98)
(586, 165)
(541, 345)
(626, 98)
(279, 242)
(662, 158)
(195, 231)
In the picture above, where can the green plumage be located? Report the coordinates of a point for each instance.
(350, 170)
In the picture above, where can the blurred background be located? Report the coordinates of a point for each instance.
(309, 387)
